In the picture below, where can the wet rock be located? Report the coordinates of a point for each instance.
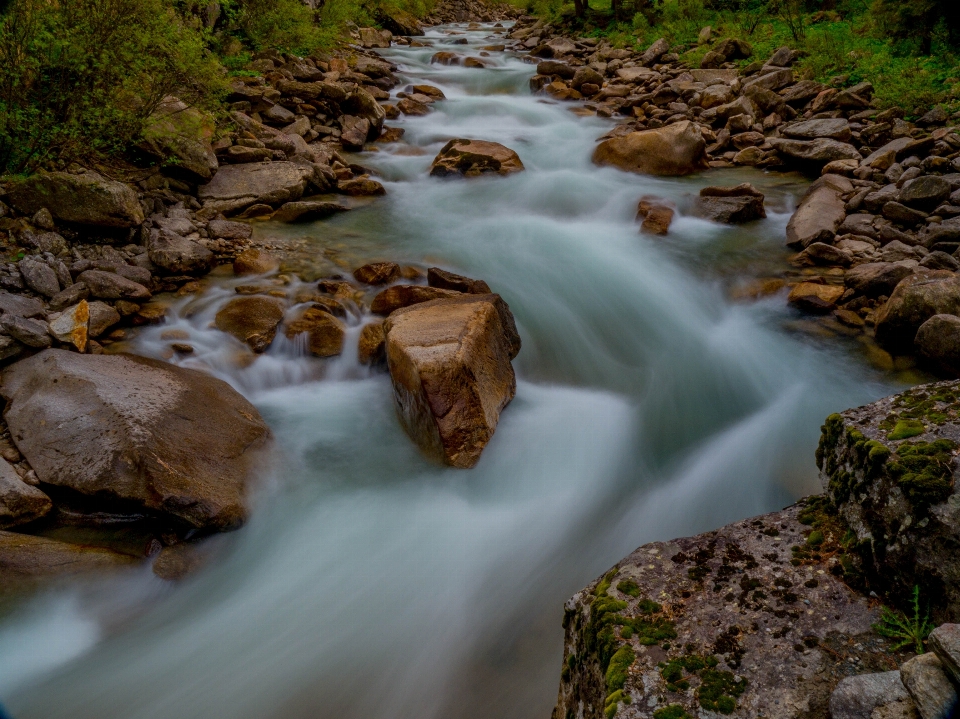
(324, 332)
(925, 193)
(472, 158)
(676, 149)
(868, 695)
(820, 253)
(175, 441)
(820, 212)
(19, 502)
(180, 136)
(101, 318)
(252, 320)
(877, 278)
(656, 215)
(449, 361)
(307, 211)
(834, 129)
(552, 67)
(72, 326)
(361, 187)
(371, 349)
(731, 205)
(226, 230)
(32, 333)
(451, 281)
(377, 273)
(916, 299)
(397, 296)
(236, 187)
(25, 558)
(178, 255)
(84, 199)
(255, 262)
(39, 276)
(814, 297)
(445, 58)
(929, 686)
(111, 286)
(821, 150)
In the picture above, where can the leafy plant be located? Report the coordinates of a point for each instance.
(905, 630)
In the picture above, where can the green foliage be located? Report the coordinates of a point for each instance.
(906, 428)
(674, 711)
(80, 77)
(281, 24)
(906, 631)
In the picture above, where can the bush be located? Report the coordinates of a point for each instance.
(79, 77)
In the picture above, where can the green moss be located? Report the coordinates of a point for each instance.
(648, 606)
(829, 436)
(674, 711)
(718, 689)
(628, 587)
(616, 675)
(906, 428)
(815, 539)
(924, 471)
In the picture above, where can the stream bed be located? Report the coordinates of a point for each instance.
(373, 584)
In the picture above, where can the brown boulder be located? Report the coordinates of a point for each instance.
(813, 297)
(26, 558)
(253, 320)
(255, 262)
(471, 158)
(393, 298)
(914, 301)
(450, 281)
(677, 149)
(372, 345)
(85, 199)
(172, 440)
(324, 332)
(377, 273)
(876, 278)
(656, 214)
(450, 365)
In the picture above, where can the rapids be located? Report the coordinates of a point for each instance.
(373, 584)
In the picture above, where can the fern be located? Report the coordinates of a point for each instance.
(905, 630)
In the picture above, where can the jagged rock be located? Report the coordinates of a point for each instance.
(820, 212)
(84, 199)
(945, 642)
(450, 281)
(472, 158)
(676, 149)
(916, 299)
(888, 469)
(658, 49)
(255, 262)
(236, 187)
(449, 360)
(252, 320)
(174, 441)
(397, 296)
(377, 273)
(19, 502)
(178, 255)
(324, 332)
(867, 696)
(354, 132)
(72, 326)
(182, 133)
(929, 687)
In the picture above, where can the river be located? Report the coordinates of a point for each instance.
(373, 584)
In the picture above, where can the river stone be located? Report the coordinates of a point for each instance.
(929, 686)
(866, 695)
(255, 262)
(227, 230)
(714, 592)
(554, 67)
(449, 360)
(715, 95)
(178, 255)
(586, 76)
(72, 326)
(731, 205)
(835, 129)
(32, 333)
(916, 299)
(354, 131)
(253, 320)
(325, 333)
(877, 278)
(180, 136)
(451, 281)
(676, 149)
(307, 211)
(820, 212)
(820, 151)
(84, 199)
(397, 296)
(814, 297)
(39, 276)
(19, 502)
(371, 348)
(820, 253)
(938, 339)
(25, 558)
(377, 273)
(175, 441)
(938, 260)
(472, 158)
(925, 192)
(656, 213)
(111, 286)
(945, 642)
(236, 187)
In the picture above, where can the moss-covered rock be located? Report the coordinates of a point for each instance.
(889, 469)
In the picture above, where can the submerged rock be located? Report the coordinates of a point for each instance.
(450, 364)
(324, 332)
(252, 320)
(677, 149)
(169, 440)
(25, 558)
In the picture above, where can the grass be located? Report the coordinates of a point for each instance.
(905, 630)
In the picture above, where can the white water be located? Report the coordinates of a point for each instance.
(373, 584)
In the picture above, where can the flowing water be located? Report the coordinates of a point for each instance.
(371, 583)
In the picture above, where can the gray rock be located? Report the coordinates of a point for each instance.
(860, 224)
(938, 339)
(946, 231)
(874, 201)
(820, 253)
(172, 440)
(224, 229)
(928, 685)
(178, 255)
(915, 300)
(32, 333)
(43, 219)
(877, 278)
(102, 318)
(277, 115)
(835, 129)
(20, 306)
(731, 210)
(896, 251)
(860, 696)
(236, 187)
(925, 193)
(783, 57)
(19, 502)
(820, 214)
(820, 151)
(44, 241)
(945, 642)
(897, 212)
(111, 286)
(69, 296)
(39, 276)
(85, 199)
(653, 53)
(940, 261)
(773, 80)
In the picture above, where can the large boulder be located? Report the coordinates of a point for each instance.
(397, 296)
(168, 440)
(731, 205)
(889, 469)
(820, 212)
(472, 158)
(178, 255)
(938, 340)
(874, 279)
(85, 199)
(180, 136)
(253, 320)
(677, 149)
(449, 360)
(925, 192)
(819, 151)
(833, 128)
(236, 187)
(916, 299)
